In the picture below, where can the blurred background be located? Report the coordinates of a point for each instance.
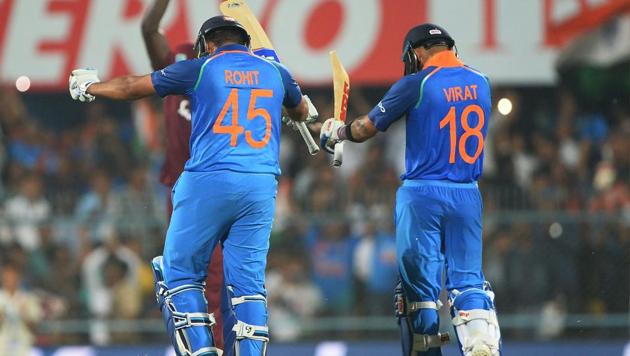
(82, 211)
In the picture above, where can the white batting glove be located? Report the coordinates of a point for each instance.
(79, 81)
(329, 135)
(312, 115)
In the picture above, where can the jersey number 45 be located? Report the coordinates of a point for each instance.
(234, 130)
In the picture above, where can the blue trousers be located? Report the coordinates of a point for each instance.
(235, 209)
(438, 226)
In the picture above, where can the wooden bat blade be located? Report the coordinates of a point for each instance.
(341, 86)
(241, 12)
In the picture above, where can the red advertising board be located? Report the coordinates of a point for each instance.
(46, 39)
(512, 41)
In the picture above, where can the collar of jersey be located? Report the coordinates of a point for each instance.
(231, 47)
(444, 59)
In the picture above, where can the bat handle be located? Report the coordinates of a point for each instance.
(338, 156)
(308, 139)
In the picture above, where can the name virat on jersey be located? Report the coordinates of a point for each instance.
(458, 94)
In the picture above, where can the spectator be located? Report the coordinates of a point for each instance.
(376, 266)
(94, 213)
(19, 313)
(27, 212)
(138, 214)
(99, 277)
(292, 298)
(332, 251)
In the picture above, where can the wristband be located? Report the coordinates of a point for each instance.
(345, 133)
(348, 132)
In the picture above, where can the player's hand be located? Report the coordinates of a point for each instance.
(329, 135)
(79, 81)
(312, 115)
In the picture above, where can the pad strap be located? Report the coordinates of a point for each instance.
(465, 316)
(415, 306)
(252, 332)
(187, 320)
(424, 342)
(248, 298)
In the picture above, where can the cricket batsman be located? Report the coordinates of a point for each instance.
(227, 191)
(438, 207)
(177, 118)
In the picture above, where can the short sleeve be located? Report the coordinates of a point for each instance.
(397, 101)
(178, 78)
(292, 92)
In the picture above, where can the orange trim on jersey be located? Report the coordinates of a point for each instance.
(475, 71)
(233, 51)
(444, 59)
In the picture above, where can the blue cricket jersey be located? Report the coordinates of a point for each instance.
(448, 106)
(236, 102)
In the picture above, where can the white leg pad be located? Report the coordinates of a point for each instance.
(478, 332)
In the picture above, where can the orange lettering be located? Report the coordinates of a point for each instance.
(228, 77)
(238, 77)
(250, 77)
(255, 77)
(474, 88)
(447, 94)
(467, 94)
(458, 94)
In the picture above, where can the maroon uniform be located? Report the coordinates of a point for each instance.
(177, 118)
(177, 127)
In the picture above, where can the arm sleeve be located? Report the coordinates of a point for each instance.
(292, 91)
(178, 78)
(397, 101)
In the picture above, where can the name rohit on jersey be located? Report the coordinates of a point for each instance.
(469, 92)
(241, 77)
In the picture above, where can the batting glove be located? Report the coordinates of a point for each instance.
(79, 81)
(312, 115)
(329, 135)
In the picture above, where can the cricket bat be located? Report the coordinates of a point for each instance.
(341, 85)
(261, 46)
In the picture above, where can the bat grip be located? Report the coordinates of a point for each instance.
(338, 156)
(308, 139)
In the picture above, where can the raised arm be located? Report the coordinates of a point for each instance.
(84, 85)
(398, 100)
(334, 131)
(300, 112)
(130, 87)
(359, 130)
(176, 79)
(155, 41)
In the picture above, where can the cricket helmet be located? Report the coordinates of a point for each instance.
(426, 35)
(216, 23)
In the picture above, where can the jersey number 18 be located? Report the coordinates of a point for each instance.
(450, 121)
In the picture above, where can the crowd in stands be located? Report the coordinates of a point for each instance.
(82, 213)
